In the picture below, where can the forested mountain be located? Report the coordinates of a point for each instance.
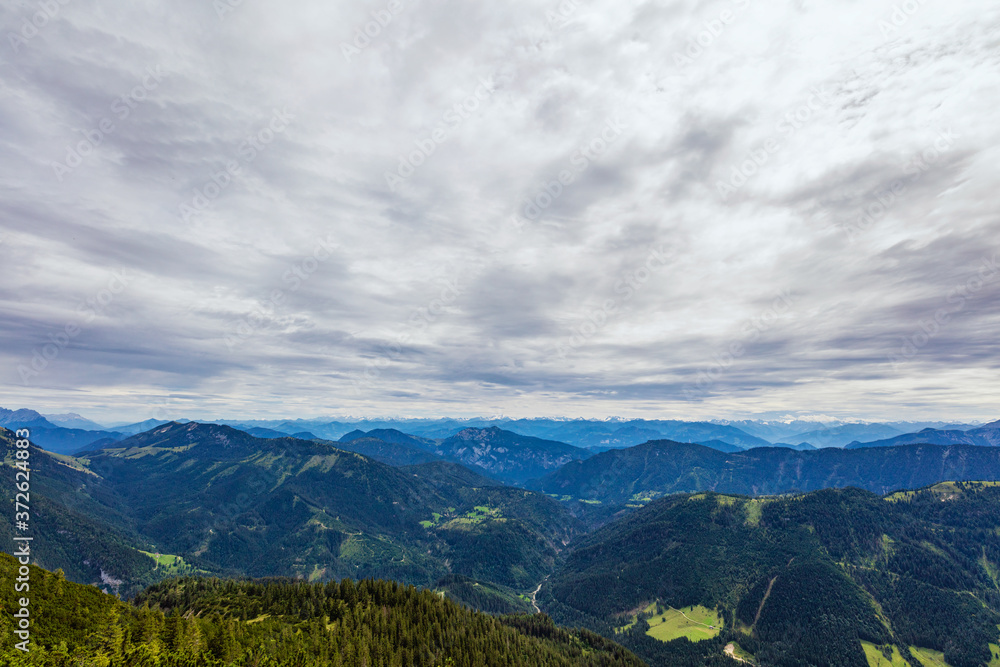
(799, 580)
(392, 435)
(507, 456)
(213, 623)
(720, 446)
(802, 446)
(500, 454)
(229, 503)
(391, 453)
(78, 525)
(663, 467)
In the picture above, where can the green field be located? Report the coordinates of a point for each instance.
(995, 650)
(478, 514)
(171, 565)
(695, 623)
(928, 658)
(877, 659)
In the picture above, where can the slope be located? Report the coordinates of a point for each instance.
(801, 580)
(212, 622)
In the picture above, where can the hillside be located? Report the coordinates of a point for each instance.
(208, 622)
(800, 580)
(648, 471)
(77, 524)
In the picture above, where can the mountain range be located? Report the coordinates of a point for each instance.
(610, 541)
(662, 467)
(227, 502)
(981, 436)
(70, 432)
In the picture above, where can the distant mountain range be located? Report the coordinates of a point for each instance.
(982, 436)
(659, 468)
(23, 419)
(838, 436)
(838, 433)
(73, 420)
(590, 434)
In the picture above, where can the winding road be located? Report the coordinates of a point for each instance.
(534, 597)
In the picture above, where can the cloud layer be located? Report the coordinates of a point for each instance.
(673, 209)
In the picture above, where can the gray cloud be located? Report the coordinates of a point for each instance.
(308, 286)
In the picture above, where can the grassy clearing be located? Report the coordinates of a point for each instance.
(754, 509)
(877, 659)
(170, 564)
(928, 658)
(695, 623)
(995, 661)
(477, 514)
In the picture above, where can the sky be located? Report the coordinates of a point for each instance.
(223, 208)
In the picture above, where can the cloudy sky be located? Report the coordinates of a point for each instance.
(668, 209)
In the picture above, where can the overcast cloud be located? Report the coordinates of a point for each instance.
(334, 269)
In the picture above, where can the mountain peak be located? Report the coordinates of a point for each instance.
(24, 418)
